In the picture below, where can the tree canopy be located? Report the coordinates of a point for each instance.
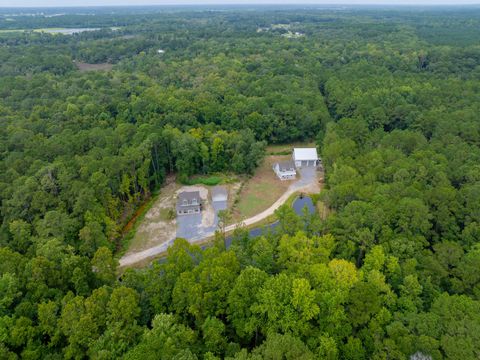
(391, 98)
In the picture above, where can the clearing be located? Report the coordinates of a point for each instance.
(157, 226)
(307, 182)
(286, 149)
(251, 202)
(261, 190)
(161, 225)
(83, 67)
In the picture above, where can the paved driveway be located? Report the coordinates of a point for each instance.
(308, 177)
(194, 227)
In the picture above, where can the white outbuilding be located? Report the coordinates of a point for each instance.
(219, 194)
(285, 170)
(305, 157)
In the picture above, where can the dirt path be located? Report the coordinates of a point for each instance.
(134, 258)
(308, 183)
(271, 210)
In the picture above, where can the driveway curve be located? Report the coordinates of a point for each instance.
(307, 183)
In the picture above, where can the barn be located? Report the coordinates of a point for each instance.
(305, 157)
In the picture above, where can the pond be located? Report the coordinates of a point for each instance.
(298, 205)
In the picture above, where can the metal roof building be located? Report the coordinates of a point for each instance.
(305, 157)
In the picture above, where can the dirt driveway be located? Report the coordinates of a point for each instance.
(195, 231)
(307, 183)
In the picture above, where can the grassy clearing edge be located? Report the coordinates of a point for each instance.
(262, 223)
(209, 180)
(128, 236)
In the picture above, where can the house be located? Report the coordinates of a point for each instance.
(305, 157)
(219, 194)
(189, 202)
(285, 170)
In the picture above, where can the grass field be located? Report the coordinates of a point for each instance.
(211, 180)
(6, 31)
(260, 191)
(55, 30)
(286, 149)
(83, 67)
(34, 30)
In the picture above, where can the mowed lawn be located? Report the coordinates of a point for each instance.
(261, 191)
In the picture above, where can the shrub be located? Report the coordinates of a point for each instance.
(208, 181)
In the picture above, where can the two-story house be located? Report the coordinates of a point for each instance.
(189, 202)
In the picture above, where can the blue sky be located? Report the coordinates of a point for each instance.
(15, 3)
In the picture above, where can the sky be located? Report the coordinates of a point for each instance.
(62, 3)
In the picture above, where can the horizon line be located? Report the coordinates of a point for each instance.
(206, 3)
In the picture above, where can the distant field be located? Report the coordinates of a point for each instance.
(64, 31)
(5, 31)
(83, 67)
(50, 30)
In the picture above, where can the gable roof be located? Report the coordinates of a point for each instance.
(305, 154)
(189, 196)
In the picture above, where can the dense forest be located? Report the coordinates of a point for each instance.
(392, 99)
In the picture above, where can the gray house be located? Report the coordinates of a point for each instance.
(285, 170)
(189, 202)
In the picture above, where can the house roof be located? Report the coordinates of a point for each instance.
(305, 154)
(219, 192)
(286, 165)
(187, 207)
(189, 196)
